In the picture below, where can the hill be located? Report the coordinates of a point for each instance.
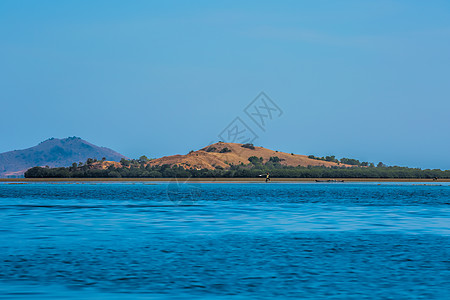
(229, 160)
(53, 153)
(224, 155)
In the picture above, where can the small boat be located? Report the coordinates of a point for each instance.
(330, 180)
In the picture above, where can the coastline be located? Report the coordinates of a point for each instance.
(217, 180)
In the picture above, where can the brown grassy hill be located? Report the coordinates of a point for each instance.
(214, 155)
(103, 165)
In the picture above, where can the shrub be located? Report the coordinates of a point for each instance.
(248, 146)
(225, 150)
(274, 159)
(255, 160)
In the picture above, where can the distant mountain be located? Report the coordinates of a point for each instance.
(53, 153)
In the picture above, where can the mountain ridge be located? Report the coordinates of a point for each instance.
(53, 152)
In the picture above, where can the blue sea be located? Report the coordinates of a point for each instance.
(177, 240)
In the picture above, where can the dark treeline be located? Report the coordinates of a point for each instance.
(344, 160)
(140, 169)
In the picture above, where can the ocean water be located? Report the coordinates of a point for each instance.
(224, 241)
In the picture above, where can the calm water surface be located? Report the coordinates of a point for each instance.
(222, 241)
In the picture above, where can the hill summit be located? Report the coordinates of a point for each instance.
(224, 155)
(53, 153)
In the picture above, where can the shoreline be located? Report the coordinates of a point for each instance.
(217, 180)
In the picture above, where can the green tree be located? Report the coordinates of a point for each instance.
(114, 174)
(143, 159)
(274, 159)
(350, 161)
(124, 162)
(255, 160)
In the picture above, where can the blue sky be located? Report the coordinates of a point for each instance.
(362, 79)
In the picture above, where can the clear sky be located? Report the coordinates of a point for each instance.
(362, 79)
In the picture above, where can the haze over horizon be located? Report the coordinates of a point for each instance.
(363, 80)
